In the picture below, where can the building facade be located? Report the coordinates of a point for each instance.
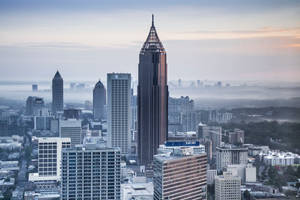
(49, 156)
(230, 155)
(57, 93)
(118, 111)
(152, 97)
(91, 172)
(34, 105)
(180, 173)
(227, 187)
(99, 101)
(71, 128)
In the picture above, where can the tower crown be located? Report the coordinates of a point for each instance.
(152, 42)
(57, 75)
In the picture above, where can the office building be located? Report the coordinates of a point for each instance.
(99, 101)
(227, 187)
(118, 111)
(71, 128)
(49, 159)
(34, 105)
(91, 172)
(57, 93)
(237, 136)
(152, 97)
(229, 155)
(180, 172)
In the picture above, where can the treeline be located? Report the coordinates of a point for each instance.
(285, 136)
(269, 112)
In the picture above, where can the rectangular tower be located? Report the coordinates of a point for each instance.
(71, 128)
(91, 172)
(180, 173)
(118, 111)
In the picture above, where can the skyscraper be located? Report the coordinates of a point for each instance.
(152, 97)
(118, 111)
(57, 93)
(99, 101)
(91, 172)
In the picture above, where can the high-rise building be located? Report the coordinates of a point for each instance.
(91, 172)
(227, 187)
(152, 97)
(71, 128)
(49, 159)
(57, 93)
(180, 173)
(236, 137)
(229, 155)
(99, 101)
(118, 111)
(34, 105)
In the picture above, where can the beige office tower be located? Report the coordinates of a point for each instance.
(227, 187)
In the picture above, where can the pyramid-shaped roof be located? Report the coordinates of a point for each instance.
(99, 84)
(57, 75)
(152, 42)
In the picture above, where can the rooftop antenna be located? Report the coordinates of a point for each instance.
(152, 20)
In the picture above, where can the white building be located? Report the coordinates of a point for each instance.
(279, 158)
(49, 159)
(71, 128)
(138, 191)
(227, 187)
(250, 172)
(118, 111)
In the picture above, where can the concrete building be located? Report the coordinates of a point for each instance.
(250, 172)
(137, 191)
(213, 133)
(211, 173)
(91, 172)
(33, 105)
(118, 111)
(229, 154)
(99, 101)
(152, 97)
(274, 158)
(49, 159)
(57, 93)
(227, 187)
(180, 172)
(71, 128)
(236, 137)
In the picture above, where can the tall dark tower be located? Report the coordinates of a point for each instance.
(152, 98)
(57, 93)
(99, 101)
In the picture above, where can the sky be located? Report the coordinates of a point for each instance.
(256, 40)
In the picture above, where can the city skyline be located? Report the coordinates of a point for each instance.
(252, 41)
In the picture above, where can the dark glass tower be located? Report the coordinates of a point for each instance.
(99, 101)
(152, 98)
(57, 93)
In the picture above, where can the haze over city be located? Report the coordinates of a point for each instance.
(205, 40)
